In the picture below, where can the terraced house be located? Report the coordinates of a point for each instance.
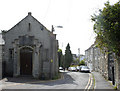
(30, 49)
(104, 63)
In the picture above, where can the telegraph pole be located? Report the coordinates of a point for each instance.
(79, 53)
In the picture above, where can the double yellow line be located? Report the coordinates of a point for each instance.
(89, 84)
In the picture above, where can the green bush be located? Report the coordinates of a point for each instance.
(82, 62)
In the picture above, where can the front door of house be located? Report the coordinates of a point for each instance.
(26, 61)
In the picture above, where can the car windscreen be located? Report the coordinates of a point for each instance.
(85, 67)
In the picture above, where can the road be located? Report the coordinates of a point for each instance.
(69, 80)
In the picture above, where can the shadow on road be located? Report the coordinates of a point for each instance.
(66, 79)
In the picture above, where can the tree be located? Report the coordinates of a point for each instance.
(60, 60)
(107, 27)
(68, 56)
(76, 61)
(82, 62)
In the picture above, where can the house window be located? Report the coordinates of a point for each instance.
(42, 28)
(29, 27)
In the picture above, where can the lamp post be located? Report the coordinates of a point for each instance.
(79, 53)
(51, 62)
(53, 27)
(53, 30)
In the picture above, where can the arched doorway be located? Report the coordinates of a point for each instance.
(26, 56)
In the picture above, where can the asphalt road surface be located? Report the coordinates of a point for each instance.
(69, 80)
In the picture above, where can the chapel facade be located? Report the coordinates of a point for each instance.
(30, 49)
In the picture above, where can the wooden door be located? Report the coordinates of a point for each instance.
(26, 62)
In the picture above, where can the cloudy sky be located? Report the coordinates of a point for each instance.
(73, 15)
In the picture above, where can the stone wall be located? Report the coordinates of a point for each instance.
(106, 64)
(97, 60)
(117, 73)
(89, 58)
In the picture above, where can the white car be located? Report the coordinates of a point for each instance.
(72, 69)
(60, 68)
(81, 67)
(78, 68)
(85, 69)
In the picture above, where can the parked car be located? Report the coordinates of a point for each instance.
(60, 68)
(78, 68)
(72, 69)
(85, 69)
(81, 67)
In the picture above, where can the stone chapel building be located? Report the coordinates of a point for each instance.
(30, 49)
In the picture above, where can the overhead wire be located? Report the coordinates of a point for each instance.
(48, 7)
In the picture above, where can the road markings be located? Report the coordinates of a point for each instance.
(89, 84)
(94, 82)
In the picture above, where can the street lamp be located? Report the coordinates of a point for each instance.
(53, 27)
(53, 30)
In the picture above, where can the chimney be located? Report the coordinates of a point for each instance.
(29, 13)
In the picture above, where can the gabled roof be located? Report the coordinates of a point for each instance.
(93, 45)
(29, 14)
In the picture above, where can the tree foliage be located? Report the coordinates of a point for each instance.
(107, 27)
(62, 61)
(60, 58)
(82, 62)
(68, 56)
(76, 61)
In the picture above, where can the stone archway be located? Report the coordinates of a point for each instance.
(26, 61)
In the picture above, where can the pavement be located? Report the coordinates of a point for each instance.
(100, 82)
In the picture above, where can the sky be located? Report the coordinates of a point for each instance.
(73, 15)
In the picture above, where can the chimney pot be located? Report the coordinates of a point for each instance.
(29, 13)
